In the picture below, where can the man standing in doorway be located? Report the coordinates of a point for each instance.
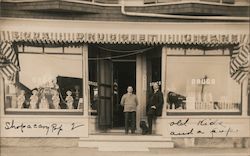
(154, 106)
(130, 102)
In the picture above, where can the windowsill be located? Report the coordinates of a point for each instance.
(15, 111)
(204, 112)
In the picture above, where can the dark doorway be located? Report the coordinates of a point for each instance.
(124, 75)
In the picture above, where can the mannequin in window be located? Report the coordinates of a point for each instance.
(56, 100)
(69, 99)
(44, 104)
(34, 99)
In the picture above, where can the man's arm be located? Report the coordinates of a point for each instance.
(136, 100)
(160, 100)
(123, 100)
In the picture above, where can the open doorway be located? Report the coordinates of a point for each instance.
(112, 68)
(124, 75)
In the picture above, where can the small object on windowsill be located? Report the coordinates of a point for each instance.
(34, 100)
(21, 99)
(80, 104)
(216, 105)
(169, 106)
(56, 100)
(44, 104)
(173, 106)
(69, 99)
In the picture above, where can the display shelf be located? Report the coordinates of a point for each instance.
(203, 110)
(198, 112)
(25, 111)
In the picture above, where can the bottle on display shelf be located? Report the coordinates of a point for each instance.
(230, 105)
(207, 105)
(190, 103)
(223, 105)
(198, 105)
(226, 103)
(211, 103)
(201, 105)
(204, 105)
(204, 102)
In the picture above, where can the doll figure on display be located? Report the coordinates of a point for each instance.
(56, 100)
(69, 99)
(21, 99)
(44, 104)
(34, 99)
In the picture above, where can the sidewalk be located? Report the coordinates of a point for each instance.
(64, 151)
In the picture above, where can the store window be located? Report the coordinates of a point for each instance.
(49, 82)
(199, 81)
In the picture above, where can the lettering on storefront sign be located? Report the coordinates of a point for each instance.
(203, 81)
(206, 128)
(123, 38)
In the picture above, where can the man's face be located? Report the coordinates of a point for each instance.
(155, 86)
(130, 89)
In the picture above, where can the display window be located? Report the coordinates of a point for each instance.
(49, 82)
(202, 83)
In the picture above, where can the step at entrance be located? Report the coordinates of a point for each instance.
(125, 142)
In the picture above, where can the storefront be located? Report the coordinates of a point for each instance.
(65, 79)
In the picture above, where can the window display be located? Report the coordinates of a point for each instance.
(201, 84)
(52, 84)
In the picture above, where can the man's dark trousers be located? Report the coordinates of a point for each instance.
(130, 121)
(151, 117)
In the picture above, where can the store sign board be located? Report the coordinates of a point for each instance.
(208, 127)
(97, 37)
(44, 127)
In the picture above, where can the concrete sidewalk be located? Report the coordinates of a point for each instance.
(76, 151)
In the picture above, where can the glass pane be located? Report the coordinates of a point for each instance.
(45, 82)
(202, 83)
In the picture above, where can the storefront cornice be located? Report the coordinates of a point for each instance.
(74, 32)
(40, 38)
